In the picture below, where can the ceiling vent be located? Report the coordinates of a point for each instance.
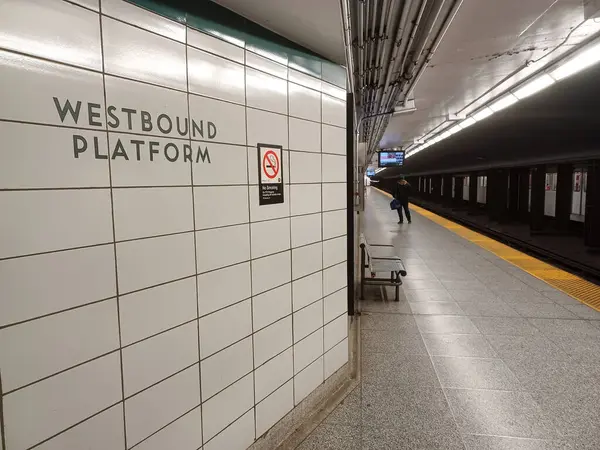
(591, 9)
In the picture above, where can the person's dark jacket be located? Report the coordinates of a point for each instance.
(402, 192)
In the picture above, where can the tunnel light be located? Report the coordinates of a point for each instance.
(467, 123)
(453, 130)
(504, 102)
(484, 113)
(582, 61)
(536, 85)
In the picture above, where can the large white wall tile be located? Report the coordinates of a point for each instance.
(305, 103)
(271, 306)
(157, 406)
(215, 77)
(334, 140)
(335, 358)
(157, 171)
(46, 158)
(307, 290)
(334, 278)
(334, 111)
(265, 91)
(307, 260)
(225, 367)
(305, 135)
(29, 86)
(333, 91)
(267, 128)
(335, 331)
(43, 347)
(146, 57)
(273, 374)
(334, 224)
(334, 196)
(274, 407)
(272, 340)
(144, 109)
(153, 261)
(227, 406)
(183, 434)
(270, 237)
(306, 229)
(102, 431)
(44, 409)
(221, 288)
(222, 247)
(62, 280)
(334, 169)
(303, 79)
(229, 120)
(152, 211)
(143, 18)
(267, 212)
(53, 30)
(237, 436)
(159, 357)
(308, 320)
(335, 251)
(42, 221)
(305, 167)
(211, 44)
(308, 380)
(162, 307)
(270, 272)
(305, 199)
(335, 305)
(308, 350)
(224, 327)
(221, 155)
(91, 4)
(266, 65)
(221, 206)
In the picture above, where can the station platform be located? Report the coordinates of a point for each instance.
(478, 354)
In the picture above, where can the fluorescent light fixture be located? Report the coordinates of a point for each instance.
(467, 123)
(504, 102)
(536, 85)
(484, 113)
(380, 169)
(454, 129)
(582, 61)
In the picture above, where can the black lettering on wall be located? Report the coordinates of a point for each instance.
(129, 112)
(153, 151)
(137, 148)
(92, 114)
(212, 130)
(187, 153)
(119, 151)
(79, 145)
(203, 154)
(146, 121)
(179, 130)
(111, 113)
(161, 119)
(171, 158)
(199, 129)
(67, 108)
(97, 154)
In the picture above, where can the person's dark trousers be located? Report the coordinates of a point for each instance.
(404, 206)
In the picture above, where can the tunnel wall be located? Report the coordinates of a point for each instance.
(146, 298)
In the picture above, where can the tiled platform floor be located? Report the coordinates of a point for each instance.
(477, 355)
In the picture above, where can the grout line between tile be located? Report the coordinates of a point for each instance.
(2, 426)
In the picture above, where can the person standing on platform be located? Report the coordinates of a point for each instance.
(402, 194)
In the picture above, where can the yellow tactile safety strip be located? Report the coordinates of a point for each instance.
(578, 288)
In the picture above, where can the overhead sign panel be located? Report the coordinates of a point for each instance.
(270, 174)
(391, 159)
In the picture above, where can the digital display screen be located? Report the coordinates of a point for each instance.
(390, 159)
(370, 172)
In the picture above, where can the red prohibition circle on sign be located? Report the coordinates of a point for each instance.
(270, 164)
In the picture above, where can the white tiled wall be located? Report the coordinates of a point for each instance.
(147, 302)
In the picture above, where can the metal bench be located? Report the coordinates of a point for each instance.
(380, 263)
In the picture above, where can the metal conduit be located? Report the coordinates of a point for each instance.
(389, 44)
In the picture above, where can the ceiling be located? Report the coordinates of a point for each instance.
(488, 40)
(314, 24)
(560, 123)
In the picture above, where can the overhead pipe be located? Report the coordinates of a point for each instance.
(347, 31)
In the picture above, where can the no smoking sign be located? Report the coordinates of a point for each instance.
(270, 174)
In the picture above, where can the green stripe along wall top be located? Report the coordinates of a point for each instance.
(211, 18)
